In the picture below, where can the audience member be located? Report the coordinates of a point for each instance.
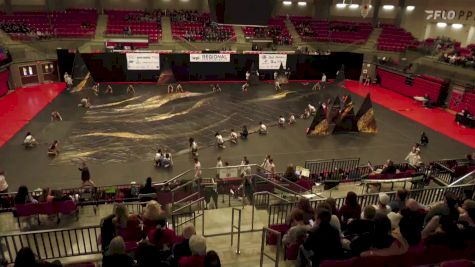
(360, 232)
(146, 255)
(412, 222)
(299, 229)
(182, 249)
(116, 255)
(308, 212)
(198, 251)
(23, 196)
(400, 201)
(162, 237)
(126, 225)
(212, 259)
(26, 258)
(350, 210)
(382, 206)
(147, 188)
(152, 214)
(290, 174)
(386, 242)
(447, 207)
(323, 241)
(3, 182)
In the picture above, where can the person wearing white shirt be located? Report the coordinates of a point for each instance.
(193, 147)
(179, 88)
(109, 90)
(271, 167)
(244, 87)
(266, 162)
(218, 88)
(246, 168)
(167, 160)
(311, 109)
(262, 128)
(324, 80)
(158, 158)
(281, 121)
(277, 86)
(95, 89)
(219, 140)
(197, 167)
(85, 103)
(170, 88)
(275, 75)
(292, 119)
(130, 89)
(233, 137)
(3, 183)
(248, 74)
(219, 165)
(414, 157)
(66, 75)
(29, 141)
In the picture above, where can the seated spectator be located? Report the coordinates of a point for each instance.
(212, 259)
(360, 232)
(182, 249)
(443, 230)
(152, 214)
(400, 201)
(290, 174)
(332, 203)
(146, 255)
(116, 255)
(23, 196)
(29, 141)
(198, 251)
(299, 229)
(412, 222)
(385, 242)
(334, 221)
(147, 188)
(162, 237)
(26, 258)
(323, 240)
(46, 195)
(382, 206)
(58, 196)
(126, 225)
(470, 160)
(350, 210)
(388, 168)
(308, 212)
(467, 219)
(448, 206)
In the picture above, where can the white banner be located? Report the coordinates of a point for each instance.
(210, 58)
(143, 61)
(272, 61)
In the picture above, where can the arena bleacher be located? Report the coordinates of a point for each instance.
(273, 164)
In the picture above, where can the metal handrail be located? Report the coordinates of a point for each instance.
(266, 230)
(189, 205)
(282, 178)
(238, 228)
(283, 188)
(254, 204)
(462, 178)
(186, 198)
(444, 167)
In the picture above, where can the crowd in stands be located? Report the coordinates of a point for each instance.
(334, 31)
(449, 51)
(194, 26)
(70, 23)
(389, 228)
(142, 240)
(276, 30)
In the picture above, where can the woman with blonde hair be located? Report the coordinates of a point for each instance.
(151, 214)
(126, 225)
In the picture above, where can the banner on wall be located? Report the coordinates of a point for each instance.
(143, 61)
(272, 61)
(210, 58)
(450, 15)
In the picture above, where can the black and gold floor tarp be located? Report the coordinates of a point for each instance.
(119, 135)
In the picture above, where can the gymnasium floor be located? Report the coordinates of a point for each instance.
(119, 135)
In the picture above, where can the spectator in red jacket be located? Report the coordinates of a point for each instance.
(351, 209)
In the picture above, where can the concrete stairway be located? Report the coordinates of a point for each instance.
(240, 37)
(293, 32)
(373, 39)
(101, 28)
(166, 30)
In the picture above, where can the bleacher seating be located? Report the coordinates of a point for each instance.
(140, 23)
(71, 23)
(334, 31)
(395, 39)
(420, 87)
(194, 26)
(276, 30)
